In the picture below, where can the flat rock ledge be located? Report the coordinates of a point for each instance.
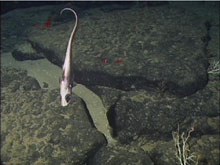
(132, 49)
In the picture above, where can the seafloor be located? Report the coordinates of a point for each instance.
(148, 74)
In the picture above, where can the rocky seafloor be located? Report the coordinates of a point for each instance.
(150, 66)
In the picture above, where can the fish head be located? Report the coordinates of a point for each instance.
(65, 92)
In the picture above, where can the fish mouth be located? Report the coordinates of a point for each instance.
(65, 100)
(68, 98)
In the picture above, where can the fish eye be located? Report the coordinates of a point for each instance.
(68, 97)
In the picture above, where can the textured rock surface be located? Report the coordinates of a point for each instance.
(123, 155)
(132, 49)
(157, 52)
(163, 152)
(157, 115)
(35, 129)
(15, 24)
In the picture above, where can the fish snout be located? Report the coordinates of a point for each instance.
(66, 94)
(66, 99)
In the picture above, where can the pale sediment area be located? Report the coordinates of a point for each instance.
(46, 73)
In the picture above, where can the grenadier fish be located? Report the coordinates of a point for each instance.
(66, 84)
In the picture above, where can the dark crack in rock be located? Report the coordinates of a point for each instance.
(25, 52)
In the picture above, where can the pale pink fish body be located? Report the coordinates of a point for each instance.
(66, 83)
